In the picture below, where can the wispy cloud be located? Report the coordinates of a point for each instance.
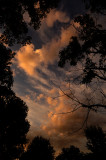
(29, 58)
(64, 126)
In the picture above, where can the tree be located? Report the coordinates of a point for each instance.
(71, 153)
(89, 44)
(12, 22)
(88, 50)
(6, 55)
(98, 6)
(40, 148)
(13, 112)
(13, 126)
(96, 142)
(86, 58)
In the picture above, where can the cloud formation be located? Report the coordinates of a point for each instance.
(54, 16)
(46, 104)
(64, 129)
(29, 58)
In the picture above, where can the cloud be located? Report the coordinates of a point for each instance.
(29, 58)
(46, 104)
(60, 128)
(64, 129)
(46, 29)
(41, 96)
(51, 50)
(52, 102)
(54, 16)
(45, 118)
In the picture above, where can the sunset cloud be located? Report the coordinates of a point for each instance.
(42, 84)
(41, 96)
(54, 16)
(60, 127)
(29, 58)
(64, 129)
(52, 102)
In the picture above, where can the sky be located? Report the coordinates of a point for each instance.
(40, 82)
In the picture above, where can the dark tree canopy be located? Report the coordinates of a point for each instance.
(98, 6)
(71, 153)
(6, 55)
(12, 22)
(86, 56)
(13, 126)
(96, 142)
(40, 148)
(84, 48)
(13, 112)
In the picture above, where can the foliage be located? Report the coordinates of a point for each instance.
(40, 148)
(96, 142)
(85, 48)
(71, 153)
(12, 23)
(86, 53)
(13, 125)
(6, 55)
(98, 6)
(13, 111)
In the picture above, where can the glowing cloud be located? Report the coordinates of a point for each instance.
(60, 127)
(29, 58)
(54, 16)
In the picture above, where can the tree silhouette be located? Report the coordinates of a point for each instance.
(13, 111)
(96, 142)
(71, 153)
(6, 55)
(40, 148)
(88, 50)
(89, 43)
(13, 126)
(98, 6)
(12, 22)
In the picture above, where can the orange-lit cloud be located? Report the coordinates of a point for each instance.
(52, 102)
(29, 58)
(40, 97)
(45, 107)
(54, 16)
(60, 128)
(63, 128)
